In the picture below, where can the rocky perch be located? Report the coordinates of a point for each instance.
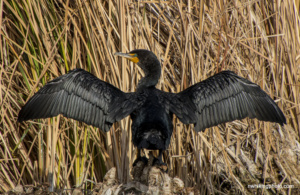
(146, 180)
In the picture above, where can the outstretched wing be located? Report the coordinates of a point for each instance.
(222, 98)
(83, 97)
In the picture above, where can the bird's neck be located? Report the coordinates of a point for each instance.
(150, 80)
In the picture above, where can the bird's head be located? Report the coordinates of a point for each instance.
(145, 59)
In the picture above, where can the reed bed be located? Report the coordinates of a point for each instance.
(43, 39)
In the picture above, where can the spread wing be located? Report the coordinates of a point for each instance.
(222, 98)
(83, 97)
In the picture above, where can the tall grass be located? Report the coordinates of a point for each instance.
(41, 40)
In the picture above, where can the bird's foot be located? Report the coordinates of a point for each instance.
(142, 159)
(138, 166)
(161, 165)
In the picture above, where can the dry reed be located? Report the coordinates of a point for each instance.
(43, 39)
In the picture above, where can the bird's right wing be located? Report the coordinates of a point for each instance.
(222, 98)
(81, 96)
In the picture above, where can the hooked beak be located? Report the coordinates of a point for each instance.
(130, 56)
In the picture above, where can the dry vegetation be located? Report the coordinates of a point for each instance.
(42, 39)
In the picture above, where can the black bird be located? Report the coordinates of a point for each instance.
(221, 98)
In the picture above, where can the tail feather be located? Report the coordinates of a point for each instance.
(152, 139)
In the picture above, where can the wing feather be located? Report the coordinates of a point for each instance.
(83, 97)
(222, 98)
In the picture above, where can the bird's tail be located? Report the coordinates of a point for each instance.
(152, 139)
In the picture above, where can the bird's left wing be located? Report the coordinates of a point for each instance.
(221, 98)
(83, 97)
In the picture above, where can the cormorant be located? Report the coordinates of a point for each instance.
(221, 98)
